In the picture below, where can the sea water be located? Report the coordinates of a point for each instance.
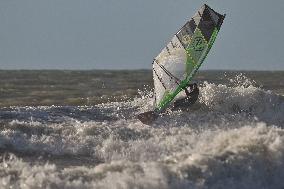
(76, 129)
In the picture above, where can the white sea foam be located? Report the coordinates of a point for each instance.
(233, 138)
(248, 157)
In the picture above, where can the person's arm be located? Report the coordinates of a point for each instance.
(186, 92)
(193, 90)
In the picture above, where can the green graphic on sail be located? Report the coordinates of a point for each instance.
(178, 62)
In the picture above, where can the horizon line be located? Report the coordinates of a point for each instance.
(140, 69)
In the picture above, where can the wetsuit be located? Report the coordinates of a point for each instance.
(192, 96)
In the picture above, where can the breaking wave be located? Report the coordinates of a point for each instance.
(232, 138)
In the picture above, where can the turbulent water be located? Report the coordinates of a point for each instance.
(232, 138)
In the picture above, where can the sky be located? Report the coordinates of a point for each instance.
(128, 34)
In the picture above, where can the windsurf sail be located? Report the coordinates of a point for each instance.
(179, 61)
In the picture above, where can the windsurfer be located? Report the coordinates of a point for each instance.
(180, 60)
(192, 92)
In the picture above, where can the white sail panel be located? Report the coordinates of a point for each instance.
(169, 68)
